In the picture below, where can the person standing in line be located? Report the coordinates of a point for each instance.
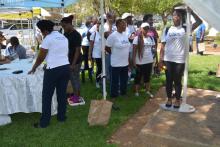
(143, 58)
(173, 55)
(95, 52)
(130, 32)
(74, 39)
(109, 28)
(118, 45)
(200, 34)
(152, 33)
(54, 49)
(85, 51)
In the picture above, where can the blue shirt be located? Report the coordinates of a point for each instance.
(200, 30)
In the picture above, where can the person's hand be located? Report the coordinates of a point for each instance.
(32, 71)
(189, 9)
(160, 65)
(90, 57)
(134, 65)
(72, 67)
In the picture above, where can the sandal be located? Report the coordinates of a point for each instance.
(169, 103)
(177, 104)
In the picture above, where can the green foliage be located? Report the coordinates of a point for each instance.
(218, 37)
(91, 7)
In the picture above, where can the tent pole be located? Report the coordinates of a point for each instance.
(103, 49)
(184, 106)
(62, 8)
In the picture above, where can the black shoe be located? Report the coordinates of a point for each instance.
(169, 103)
(37, 125)
(61, 120)
(177, 104)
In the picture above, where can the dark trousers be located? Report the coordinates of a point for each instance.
(174, 73)
(54, 78)
(98, 69)
(118, 74)
(143, 71)
(86, 63)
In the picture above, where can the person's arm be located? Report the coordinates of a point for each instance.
(108, 49)
(77, 52)
(161, 55)
(202, 34)
(197, 19)
(91, 46)
(88, 35)
(40, 58)
(76, 57)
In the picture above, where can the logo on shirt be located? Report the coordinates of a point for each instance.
(124, 42)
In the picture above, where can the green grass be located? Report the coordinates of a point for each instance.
(217, 41)
(75, 132)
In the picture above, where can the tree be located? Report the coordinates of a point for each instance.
(161, 7)
(91, 7)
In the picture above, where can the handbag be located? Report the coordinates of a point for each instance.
(201, 47)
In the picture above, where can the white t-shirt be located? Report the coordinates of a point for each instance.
(147, 54)
(175, 48)
(96, 52)
(57, 46)
(93, 29)
(129, 30)
(119, 44)
(106, 27)
(85, 41)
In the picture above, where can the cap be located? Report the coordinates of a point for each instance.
(145, 24)
(125, 15)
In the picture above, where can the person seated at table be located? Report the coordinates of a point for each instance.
(15, 50)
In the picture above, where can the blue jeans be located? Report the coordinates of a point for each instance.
(118, 75)
(54, 78)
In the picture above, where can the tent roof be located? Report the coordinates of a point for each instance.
(209, 10)
(22, 13)
(36, 3)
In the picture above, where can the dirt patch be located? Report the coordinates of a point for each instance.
(127, 134)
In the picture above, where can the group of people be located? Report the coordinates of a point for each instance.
(127, 48)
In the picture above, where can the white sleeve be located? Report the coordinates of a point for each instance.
(45, 44)
(110, 41)
(6, 53)
(163, 36)
(93, 29)
(92, 37)
(135, 41)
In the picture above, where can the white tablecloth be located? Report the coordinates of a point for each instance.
(21, 92)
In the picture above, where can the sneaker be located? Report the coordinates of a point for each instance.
(150, 94)
(97, 85)
(137, 94)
